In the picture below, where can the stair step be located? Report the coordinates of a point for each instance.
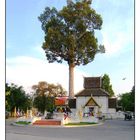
(47, 122)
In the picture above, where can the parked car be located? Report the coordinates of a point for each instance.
(128, 115)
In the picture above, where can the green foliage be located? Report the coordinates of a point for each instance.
(127, 100)
(23, 123)
(69, 33)
(106, 85)
(50, 104)
(80, 123)
(40, 103)
(45, 94)
(16, 97)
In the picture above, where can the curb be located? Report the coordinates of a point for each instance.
(53, 126)
(84, 125)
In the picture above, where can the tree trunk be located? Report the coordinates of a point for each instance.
(71, 80)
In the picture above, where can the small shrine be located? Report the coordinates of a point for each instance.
(94, 100)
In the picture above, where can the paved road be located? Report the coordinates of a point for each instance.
(110, 130)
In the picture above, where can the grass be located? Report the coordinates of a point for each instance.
(23, 122)
(81, 123)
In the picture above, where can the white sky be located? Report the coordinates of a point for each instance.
(30, 71)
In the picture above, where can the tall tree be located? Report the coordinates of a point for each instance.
(106, 85)
(70, 35)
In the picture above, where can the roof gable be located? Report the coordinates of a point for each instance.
(91, 102)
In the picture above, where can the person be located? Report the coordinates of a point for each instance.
(63, 110)
(68, 110)
(65, 116)
(18, 114)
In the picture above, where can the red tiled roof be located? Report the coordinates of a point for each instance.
(60, 101)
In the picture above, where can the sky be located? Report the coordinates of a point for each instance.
(26, 63)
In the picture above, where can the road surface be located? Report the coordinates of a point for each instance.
(110, 130)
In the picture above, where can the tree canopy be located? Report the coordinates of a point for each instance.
(106, 85)
(48, 89)
(45, 94)
(70, 35)
(127, 100)
(16, 97)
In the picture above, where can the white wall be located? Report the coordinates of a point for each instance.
(111, 113)
(102, 101)
(81, 101)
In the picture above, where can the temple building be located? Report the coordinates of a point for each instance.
(94, 100)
